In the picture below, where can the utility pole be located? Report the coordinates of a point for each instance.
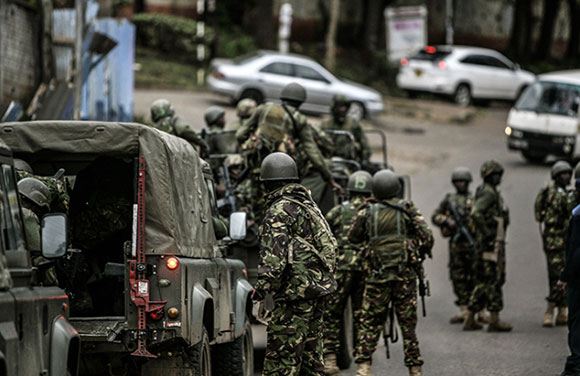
(201, 42)
(330, 58)
(78, 53)
(285, 29)
(449, 22)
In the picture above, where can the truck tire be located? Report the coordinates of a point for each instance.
(345, 335)
(235, 358)
(200, 356)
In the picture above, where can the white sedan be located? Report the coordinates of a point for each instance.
(262, 76)
(464, 73)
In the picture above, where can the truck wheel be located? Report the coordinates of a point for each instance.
(200, 356)
(235, 358)
(534, 158)
(345, 335)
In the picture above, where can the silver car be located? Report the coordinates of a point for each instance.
(262, 75)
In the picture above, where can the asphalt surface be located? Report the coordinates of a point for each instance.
(429, 152)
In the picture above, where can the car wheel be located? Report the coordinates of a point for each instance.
(200, 356)
(346, 334)
(235, 358)
(534, 158)
(463, 95)
(357, 110)
(254, 94)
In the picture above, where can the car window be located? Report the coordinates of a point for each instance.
(495, 63)
(550, 98)
(474, 60)
(308, 73)
(282, 69)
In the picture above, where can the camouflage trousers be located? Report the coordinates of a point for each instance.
(556, 259)
(350, 284)
(461, 271)
(487, 292)
(295, 339)
(376, 299)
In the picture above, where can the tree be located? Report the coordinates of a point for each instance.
(544, 46)
(259, 21)
(330, 58)
(574, 29)
(520, 38)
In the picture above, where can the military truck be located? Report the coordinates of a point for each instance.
(35, 336)
(150, 291)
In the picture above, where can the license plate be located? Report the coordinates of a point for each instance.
(418, 72)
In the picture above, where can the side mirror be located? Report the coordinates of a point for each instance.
(238, 226)
(54, 235)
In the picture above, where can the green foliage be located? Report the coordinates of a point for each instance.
(159, 71)
(234, 42)
(174, 35)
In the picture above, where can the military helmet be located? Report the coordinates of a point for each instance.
(35, 191)
(386, 185)
(577, 171)
(22, 165)
(245, 108)
(278, 166)
(461, 174)
(490, 167)
(161, 108)
(360, 182)
(213, 114)
(560, 167)
(293, 92)
(340, 100)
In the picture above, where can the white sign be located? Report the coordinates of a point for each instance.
(406, 29)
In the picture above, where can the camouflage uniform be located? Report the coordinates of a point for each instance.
(60, 200)
(488, 208)
(349, 273)
(397, 234)
(297, 264)
(553, 208)
(362, 151)
(460, 253)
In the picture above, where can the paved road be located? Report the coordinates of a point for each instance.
(429, 152)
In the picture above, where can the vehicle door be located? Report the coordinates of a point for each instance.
(505, 82)
(475, 69)
(273, 77)
(318, 93)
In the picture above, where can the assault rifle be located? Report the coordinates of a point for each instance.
(461, 227)
(424, 287)
(390, 330)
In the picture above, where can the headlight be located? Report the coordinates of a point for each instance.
(508, 131)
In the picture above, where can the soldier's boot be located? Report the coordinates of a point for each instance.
(562, 318)
(470, 324)
(415, 371)
(459, 318)
(496, 325)
(483, 316)
(364, 369)
(549, 316)
(330, 365)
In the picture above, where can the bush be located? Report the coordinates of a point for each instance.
(174, 35)
(232, 43)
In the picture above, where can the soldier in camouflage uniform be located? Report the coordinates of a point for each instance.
(553, 208)
(349, 269)
(281, 128)
(60, 200)
(341, 121)
(575, 192)
(297, 251)
(398, 238)
(490, 219)
(164, 119)
(244, 110)
(460, 249)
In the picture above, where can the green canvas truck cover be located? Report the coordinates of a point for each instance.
(178, 216)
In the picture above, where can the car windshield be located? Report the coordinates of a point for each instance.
(550, 98)
(431, 53)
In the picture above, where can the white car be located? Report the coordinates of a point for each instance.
(262, 76)
(464, 73)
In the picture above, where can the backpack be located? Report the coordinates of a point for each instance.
(388, 243)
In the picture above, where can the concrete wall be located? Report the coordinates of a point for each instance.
(19, 53)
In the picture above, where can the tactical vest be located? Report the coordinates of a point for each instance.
(272, 129)
(387, 236)
(310, 271)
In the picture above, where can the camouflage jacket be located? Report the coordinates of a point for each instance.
(270, 129)
(59, 197)
(297, 248)
(553, 208)
(463, 204)
(175, 126)
(234, 125)
(488, 205)
(340, 219)
(413, 240)
(362, 151)
(31, 229)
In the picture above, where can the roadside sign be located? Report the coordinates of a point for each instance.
(406, 29)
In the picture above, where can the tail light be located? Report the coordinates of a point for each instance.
(430, 50)
(157, 314)
(404, 62)
(172, 263)
(442, 64)
(217, 74)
